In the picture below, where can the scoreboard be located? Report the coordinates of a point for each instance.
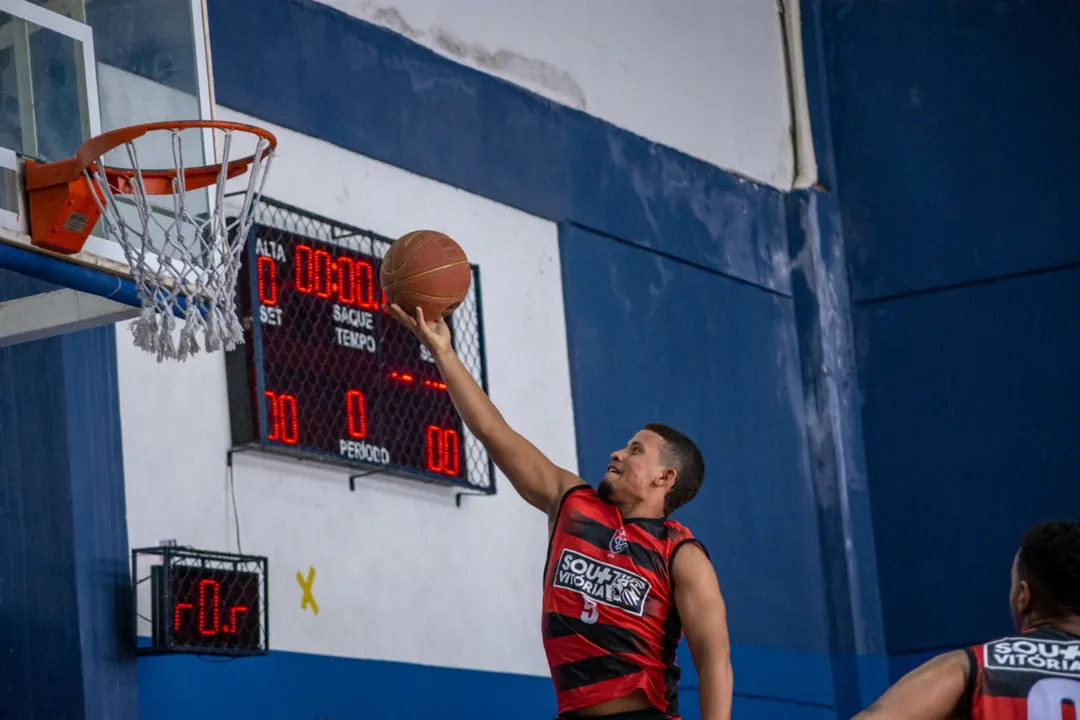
(326, 372)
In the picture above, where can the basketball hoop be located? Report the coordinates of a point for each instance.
(183, 265)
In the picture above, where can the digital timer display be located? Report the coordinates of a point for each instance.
(207, 610)
(329, 373)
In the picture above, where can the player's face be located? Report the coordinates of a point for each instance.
(636, 471)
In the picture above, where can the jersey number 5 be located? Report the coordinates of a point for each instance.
(1047, 697)
(591, 611)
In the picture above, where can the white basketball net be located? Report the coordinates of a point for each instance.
(184, 260)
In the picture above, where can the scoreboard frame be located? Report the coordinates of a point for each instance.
(247, 365)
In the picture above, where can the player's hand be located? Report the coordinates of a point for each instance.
(434, 334)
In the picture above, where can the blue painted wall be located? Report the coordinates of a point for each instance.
(653, 338)
(63, 529)
(955, 135)
(285, 685)
(823, 319)
(954, 126)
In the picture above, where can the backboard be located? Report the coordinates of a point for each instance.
(71, 70)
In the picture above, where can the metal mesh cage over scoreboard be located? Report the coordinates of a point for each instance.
(327, 374)
(200, 601)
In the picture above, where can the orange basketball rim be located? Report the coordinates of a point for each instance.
(65, 201)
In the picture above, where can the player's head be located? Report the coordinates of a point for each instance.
(1046, 574)
(659, 465)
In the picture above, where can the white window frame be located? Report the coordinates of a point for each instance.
(79, 32)
(51, 17)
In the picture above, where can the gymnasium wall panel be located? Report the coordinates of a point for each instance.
(375, 92)
(953, 176)
(296, 685)
(971, 408)
(654, 339)
(63, 544)
(290, 685)
(956, 191)
(718, 94)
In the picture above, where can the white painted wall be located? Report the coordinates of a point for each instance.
(706, 77)
(401, 573)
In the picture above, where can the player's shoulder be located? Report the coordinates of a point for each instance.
(679, 535)
(685, 552)
(688, 560)
(579, 490)
(677, 529)
(575, 494)
(573, 497)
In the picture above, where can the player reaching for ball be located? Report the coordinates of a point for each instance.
(622, 582)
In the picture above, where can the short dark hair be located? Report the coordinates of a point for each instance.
(689, 466)
(1049, 561)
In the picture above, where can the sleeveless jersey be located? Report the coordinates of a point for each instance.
(1033, 676)
(610, 624)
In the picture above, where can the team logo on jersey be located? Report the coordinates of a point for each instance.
(602, 583)
(618, 542)
(1034, 655)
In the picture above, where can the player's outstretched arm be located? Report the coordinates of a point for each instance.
(704, 617)
(934, 691)
(538, 480)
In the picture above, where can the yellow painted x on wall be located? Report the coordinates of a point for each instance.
(308, 598)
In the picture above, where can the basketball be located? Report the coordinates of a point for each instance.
(428, 269)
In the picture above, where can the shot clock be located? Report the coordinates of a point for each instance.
(203, 602)
(326, 373)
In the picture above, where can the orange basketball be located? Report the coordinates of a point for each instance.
(426, 268)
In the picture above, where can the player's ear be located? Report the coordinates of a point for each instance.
(1023, 597)
(667, 477)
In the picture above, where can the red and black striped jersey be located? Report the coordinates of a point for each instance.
(1034, 676)
(610, 624)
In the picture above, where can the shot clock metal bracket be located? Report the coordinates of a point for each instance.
(200, 602)
(327, 375)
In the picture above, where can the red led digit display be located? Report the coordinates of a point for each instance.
(267, 281)
(357, 413)
(272, 420)
(365, 283)
(214, 608)
(234, 624)
(325, 273)
(346, 281)
(442, 450)
(179, 607)
(324, 280)
(209, 609)
(330, 373)
(433, 436)
(281, 418)
(290, 431)
(302, 264)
